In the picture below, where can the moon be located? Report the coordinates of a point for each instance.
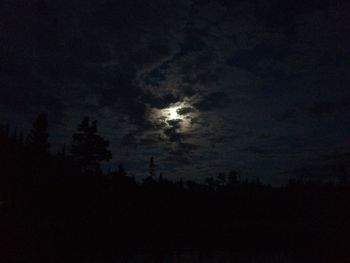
(165, 117)
(172, 113)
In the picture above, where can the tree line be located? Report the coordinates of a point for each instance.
(50, 203)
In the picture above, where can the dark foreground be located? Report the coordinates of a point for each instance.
(114, 219)
(63, 208)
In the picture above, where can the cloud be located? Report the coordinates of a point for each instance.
(325, 108)
(212, 101)
(249, 58)
(334, 166)
(184, 110)
(254, 149)
(286, 115)
(222, 138)
(172, 131)
(129, 140)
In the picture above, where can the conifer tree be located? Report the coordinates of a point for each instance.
(37, 140)
(88, 148)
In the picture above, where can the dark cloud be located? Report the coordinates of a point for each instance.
(326, 167)
(175, 123)
(212, 101)
(172, 131)
(254, 149)
(342, 157)
(249, 58)
(222, 138)
(326, 108)
(159, 102)
(184, 110)
(176, 161)
(180, 154)
(286, 115)
(129, 140)
(188, 147)
(148, 141)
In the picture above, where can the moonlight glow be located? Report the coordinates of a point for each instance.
(172, 113)
(182, 112)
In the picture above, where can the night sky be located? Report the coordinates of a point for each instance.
(261, 87)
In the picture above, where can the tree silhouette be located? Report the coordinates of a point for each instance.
(37, 160)
(232, 178)
(88, 148)
(121, 170)
(37, 140)
(6, 149)
(152, 167)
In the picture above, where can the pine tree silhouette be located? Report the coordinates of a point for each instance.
(88, 148)
(37, 140)
(152, 167)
